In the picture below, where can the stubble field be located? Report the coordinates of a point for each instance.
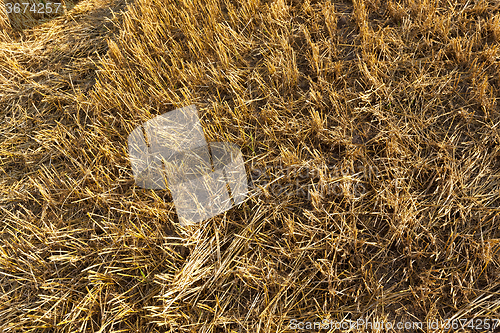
(370, 131)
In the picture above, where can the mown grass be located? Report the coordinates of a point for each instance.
(405, 89)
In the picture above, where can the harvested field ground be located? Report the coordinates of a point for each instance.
(370, 131)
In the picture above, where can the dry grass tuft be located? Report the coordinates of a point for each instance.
(397, 98)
